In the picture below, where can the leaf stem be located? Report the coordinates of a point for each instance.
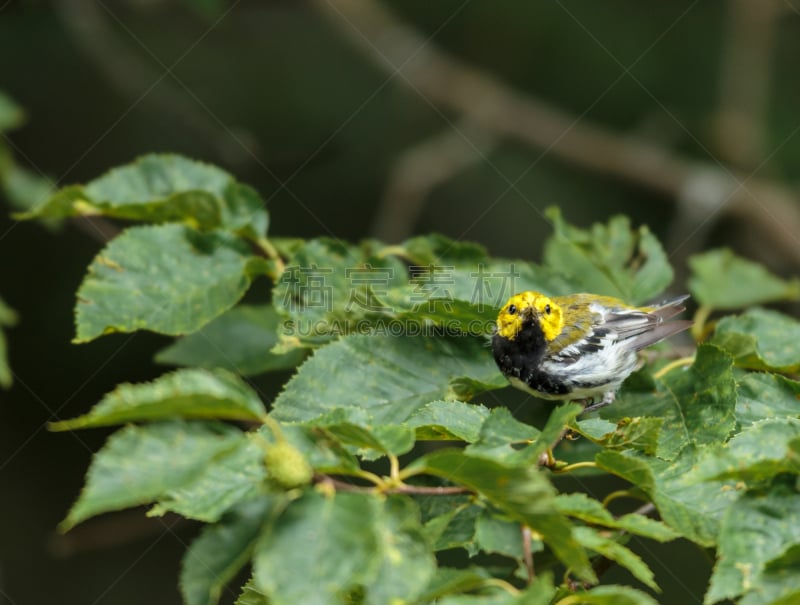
(701, 316)
(683, 361)
(394, 469)
(272, 253)
(509, 588)
(575, 466)
(621, 493)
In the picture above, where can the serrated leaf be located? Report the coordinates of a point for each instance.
(580, 506)
(696, 405)
(323, 453)
(288, 574)
(777, 585)
(185, 394)
(168, 279)
(385, 551)
(454, 528)
(722, 280)
(760, 339)
(687, 504)
(610, 259)
(330, 289)
(239, 340)
(539, 592)
(220, 551)
(139, 464)
(162, 188)
(640, 433)
(754, 530)
(613, 595)
(645, 527)
(407, 563)
(233, 476)
(761, 395)
(521, 492)
(756, 454)
(250, 595)
(500, 433)
(448, 420)
(611, 549)
(496, 535)
(557, 422)
(11, 114)
(374, 441)
(384, 378)
(448, 580)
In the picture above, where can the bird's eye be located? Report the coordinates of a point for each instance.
(512, 309)
(547, 309)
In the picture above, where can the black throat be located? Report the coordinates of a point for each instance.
(523, 353)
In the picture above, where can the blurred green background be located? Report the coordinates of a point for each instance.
(363, 119)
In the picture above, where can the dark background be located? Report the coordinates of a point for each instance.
(683, 115)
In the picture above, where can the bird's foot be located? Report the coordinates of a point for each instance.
(608, 398)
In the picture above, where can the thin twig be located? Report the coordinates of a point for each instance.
(419, 490)
(527, 553)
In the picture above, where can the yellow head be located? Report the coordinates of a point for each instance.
(525, 305)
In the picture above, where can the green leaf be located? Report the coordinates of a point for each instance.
(539, 592)
(11, 114)
(521, 492)
(760, 339)
(7, 318)
(612, 595)
(448, 420)
(289, 573)
(139, 464)
(454, 528)
(762, 396)
(696, 405)
(381, 439)
(448, 580)
(168, 279)
(609, 259)
(329, 289)
(185, 393)
(231, 477)
(613, 550)
(757, 453)
(687, 504)
(496, 535)
(322, 453)
(407, 563)
(778, 583)
(162, 188)
(250, 595)
(640, 433)
(500, 433)
(645, 527)
(384, 378)
(756, 529)
(239, 340)
(722, 280)
(359, 540)
(580, 506)
(220, 551)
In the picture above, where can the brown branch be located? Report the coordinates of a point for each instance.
(488, 103)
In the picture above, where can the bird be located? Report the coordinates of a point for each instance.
(578, 347)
